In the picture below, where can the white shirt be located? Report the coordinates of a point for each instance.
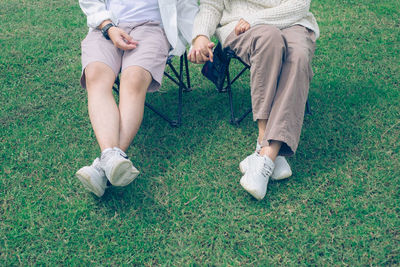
(176, 17)
(128, 11)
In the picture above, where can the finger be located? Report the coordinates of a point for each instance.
(206, 56)
(210, 55)
(191, 56)
(127, 46)
(124, 46)
(128, 38)
(211, 45)
(237, 28)
(196, 55)
(201, 58)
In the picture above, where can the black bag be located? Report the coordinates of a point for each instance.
(216, 71)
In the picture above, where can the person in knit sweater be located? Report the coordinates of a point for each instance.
(277, 39)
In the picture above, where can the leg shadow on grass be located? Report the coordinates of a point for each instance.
(332, 134)
(167, 157)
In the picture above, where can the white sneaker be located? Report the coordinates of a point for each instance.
(118, 168)
(93, 178)
(256, 178)
(282, 169)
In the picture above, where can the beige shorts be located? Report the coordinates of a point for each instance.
(150, 54)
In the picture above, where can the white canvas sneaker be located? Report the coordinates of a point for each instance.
(256, 178)
(118, 168)
(93, 178)
(282, 169)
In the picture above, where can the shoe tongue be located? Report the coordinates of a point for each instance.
(107, 154)
(122, 153)
(107, 150)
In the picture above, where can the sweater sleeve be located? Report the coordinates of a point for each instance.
(208, 18)
(283, 15)
(96, 12)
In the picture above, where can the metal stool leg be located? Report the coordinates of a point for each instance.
(308, 108)
(229, 91)
(188, 86)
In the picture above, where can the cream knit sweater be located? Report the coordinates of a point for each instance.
(221, 16)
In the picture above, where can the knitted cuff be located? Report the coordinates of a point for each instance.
(204, 24)
(201, 30)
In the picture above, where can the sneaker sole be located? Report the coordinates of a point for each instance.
(250, 191)
(282, 177)
(123, 174)
(85, 180)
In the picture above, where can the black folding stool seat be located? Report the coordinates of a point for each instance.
(219, 71)
(177, 78)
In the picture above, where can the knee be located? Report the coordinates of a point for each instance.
(135, 80)
(269, 37)
(299, 56)
(98, 73)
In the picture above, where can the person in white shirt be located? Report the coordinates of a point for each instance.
(134, 39)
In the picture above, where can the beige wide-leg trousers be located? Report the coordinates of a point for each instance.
(280, 76)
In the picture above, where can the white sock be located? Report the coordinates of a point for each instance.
(106, 150)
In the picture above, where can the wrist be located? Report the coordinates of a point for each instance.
(104, 23)
(105, 28)
(200, 37)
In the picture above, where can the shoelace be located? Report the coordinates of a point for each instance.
(266, 170)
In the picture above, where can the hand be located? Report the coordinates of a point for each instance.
(242, 27)
(201, 50)
(121, 39)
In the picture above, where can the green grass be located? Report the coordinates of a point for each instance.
(341, 207)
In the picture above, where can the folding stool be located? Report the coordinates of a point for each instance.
(177, 78)
(218, 71)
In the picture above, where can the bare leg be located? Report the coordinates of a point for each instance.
(134, 83)
(103, 110)
(273, 148)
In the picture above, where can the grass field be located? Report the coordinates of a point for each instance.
(341, 207)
